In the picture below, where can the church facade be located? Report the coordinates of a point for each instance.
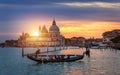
(51, 37)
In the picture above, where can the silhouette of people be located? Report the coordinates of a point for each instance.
(87, 46)
(88, 52)
(37, 52)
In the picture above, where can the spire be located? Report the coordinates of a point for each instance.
(39, 28)
(54, 23)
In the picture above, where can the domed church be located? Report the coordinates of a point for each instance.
(51, 37)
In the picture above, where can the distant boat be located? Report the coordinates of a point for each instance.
(94, 47)
(55, 58)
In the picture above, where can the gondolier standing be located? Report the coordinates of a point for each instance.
(87, 50)
(37, 52)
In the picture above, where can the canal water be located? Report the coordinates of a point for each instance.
(100, 62)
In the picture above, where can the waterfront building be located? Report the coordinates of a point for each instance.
(107, 36)
(51, 37)
(75, 41)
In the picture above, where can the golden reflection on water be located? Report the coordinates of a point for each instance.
(101, 62)
(72, 70)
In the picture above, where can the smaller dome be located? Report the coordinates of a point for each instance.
(44, 29)
(54, 27)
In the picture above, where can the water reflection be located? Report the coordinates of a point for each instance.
(61, 68)
(101, 62)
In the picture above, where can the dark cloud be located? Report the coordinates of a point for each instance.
(63, 12)
(50, 1)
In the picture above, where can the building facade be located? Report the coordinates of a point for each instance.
(51, 37)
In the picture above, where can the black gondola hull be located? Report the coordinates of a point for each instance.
(72, 58)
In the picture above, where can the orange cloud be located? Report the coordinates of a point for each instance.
(87, 29)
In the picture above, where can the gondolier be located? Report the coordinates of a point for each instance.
(37, 52)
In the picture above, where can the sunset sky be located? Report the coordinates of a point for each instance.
(87, 18)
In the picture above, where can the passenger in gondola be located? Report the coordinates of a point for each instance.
(55, 56)
(68, 57)
(52, 57)
(59, 57)
(62, 57)
(37, 52)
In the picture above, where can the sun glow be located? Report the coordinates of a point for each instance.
(35, 33)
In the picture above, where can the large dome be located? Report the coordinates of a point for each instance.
(54, 27)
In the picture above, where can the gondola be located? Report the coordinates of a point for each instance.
(54, 58)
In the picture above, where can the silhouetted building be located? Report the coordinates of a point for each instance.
(45, 38)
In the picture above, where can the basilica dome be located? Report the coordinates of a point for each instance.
(54, 27)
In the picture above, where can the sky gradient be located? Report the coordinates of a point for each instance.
(87, 18)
